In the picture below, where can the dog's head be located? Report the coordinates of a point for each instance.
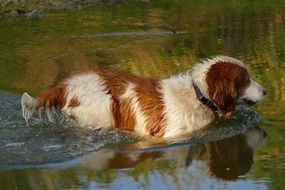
(225, 81)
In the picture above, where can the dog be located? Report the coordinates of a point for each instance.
(163, 108)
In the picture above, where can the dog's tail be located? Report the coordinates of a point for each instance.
(54, 98)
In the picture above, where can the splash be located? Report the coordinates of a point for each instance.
(44, 141)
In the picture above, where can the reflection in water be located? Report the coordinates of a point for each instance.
(225, 159)
(229, 158)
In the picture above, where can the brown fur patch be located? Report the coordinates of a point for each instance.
(226, 82)
(121, 109)
(149, 99)
(152, 106)
(123, 114)
(55, 97)
(74, 102)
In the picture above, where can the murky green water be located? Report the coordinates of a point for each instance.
(137, 37)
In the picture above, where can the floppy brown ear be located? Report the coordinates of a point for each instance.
(224, 81)
(224, 96)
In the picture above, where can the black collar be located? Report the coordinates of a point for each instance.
(204, 100)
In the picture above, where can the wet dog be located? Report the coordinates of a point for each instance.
(159, 107)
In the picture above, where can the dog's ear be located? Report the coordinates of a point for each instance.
(225, 97)
(226, 82)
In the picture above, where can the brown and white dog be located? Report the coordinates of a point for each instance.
(158, 107)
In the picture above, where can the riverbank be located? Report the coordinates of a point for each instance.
(30, 9)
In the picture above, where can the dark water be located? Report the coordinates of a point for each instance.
(156, 38)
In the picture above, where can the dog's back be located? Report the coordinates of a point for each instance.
(104, 98)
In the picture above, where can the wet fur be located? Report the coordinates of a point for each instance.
(157, 107)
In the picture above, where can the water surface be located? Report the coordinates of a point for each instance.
(155, 39)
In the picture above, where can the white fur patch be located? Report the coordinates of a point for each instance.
(183, 112)
(29, 106)
(93, 100)
(254, 92)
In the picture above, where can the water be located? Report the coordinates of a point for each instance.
(156, 39)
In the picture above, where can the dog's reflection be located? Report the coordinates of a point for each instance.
(224, 159)
(228, 158)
